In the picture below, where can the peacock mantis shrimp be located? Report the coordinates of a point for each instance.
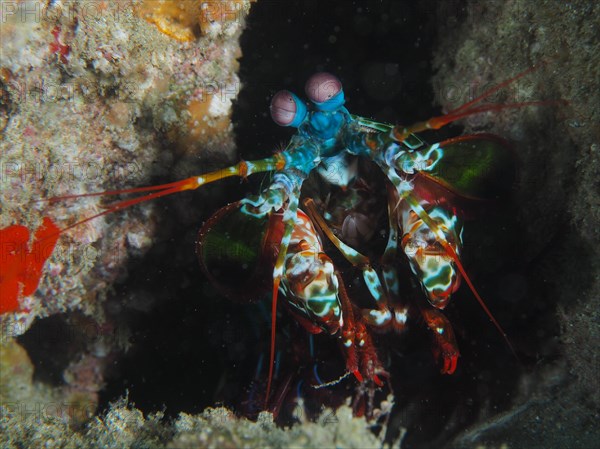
(271, 241)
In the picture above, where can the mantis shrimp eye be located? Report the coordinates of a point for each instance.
(287, 109)
(325, 90)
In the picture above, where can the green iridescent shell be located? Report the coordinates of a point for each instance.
(479, 166)
(237, 251)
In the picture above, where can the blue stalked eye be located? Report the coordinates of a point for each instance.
(287, 109)
(325, 91)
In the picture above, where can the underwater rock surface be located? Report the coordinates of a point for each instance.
(558, 196)
(96, 97)
(125, 426)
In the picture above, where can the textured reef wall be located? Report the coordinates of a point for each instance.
(100, 95)
(558, 148)
(123, 426)
(95, 97)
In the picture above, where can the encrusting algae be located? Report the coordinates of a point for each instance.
(185, 20)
